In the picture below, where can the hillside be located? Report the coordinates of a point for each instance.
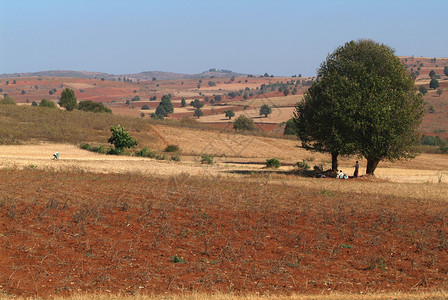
(142, 76)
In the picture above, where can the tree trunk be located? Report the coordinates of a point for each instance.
(334, 162)
(371, 166)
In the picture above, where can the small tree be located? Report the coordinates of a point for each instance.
(183, 103)
(445, 70)
(167, 104)
(121, 139)
(422, 89)
(243, 123)
(229, 114)
(197, 103)
(432, 74)
(160, 111)
(265, 110)
(286, 92)
(198, 113)
(68, 99)
(142, 114)
(434, 83)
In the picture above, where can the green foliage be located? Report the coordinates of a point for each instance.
(34, 103)
(135, 98)
(145, 107)
(145, 152)
(197, 103)
(265, 110)
(172, 148)
(175, 157)
(229, 114)
(445, 70)
(290, 128)
(68, 99)
(183, 103)
(176, 259)
(273, 163)
(156, 116)
(422, 89)
(207, 159)
(47, 103)
(243, 123)
(121, 139)
(303, 165)
(218, 98)
(165, 107)
(364, 102)
(6, 100)
(198, 113)
(434, 83)
(96, 107)
(432, 74)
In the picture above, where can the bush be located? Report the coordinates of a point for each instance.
(290, 128)
(91, 106)
(273, 163)
(172, 148)
(145, 107)
(207, 159)
(47, 103)
(175, 157)
(303, 165)
(243, 123)
(121, 139)
(146, 153)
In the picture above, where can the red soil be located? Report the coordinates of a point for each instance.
(62, 233)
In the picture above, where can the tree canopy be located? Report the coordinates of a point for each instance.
(265, 110)
(434, 83)
(97, 107)
(68, 99)
(363, 102)
(121, 139)
(229, 114)
(243, 123)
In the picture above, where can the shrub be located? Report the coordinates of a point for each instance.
(290, 128)
(175, 157)
(273, 163)
(172, 148)
(303, 165)
(91, 106)
(207, 159)
(121, 139)
(145, 107)
(146, 153)
(243, 123)
(176, 259)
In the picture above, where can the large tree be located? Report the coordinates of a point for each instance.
(68, 99)
(363, 102)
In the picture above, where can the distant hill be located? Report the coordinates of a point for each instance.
(143, 76)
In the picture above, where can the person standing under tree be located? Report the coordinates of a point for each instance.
(356, 174)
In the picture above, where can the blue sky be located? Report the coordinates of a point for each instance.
(281, 37)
